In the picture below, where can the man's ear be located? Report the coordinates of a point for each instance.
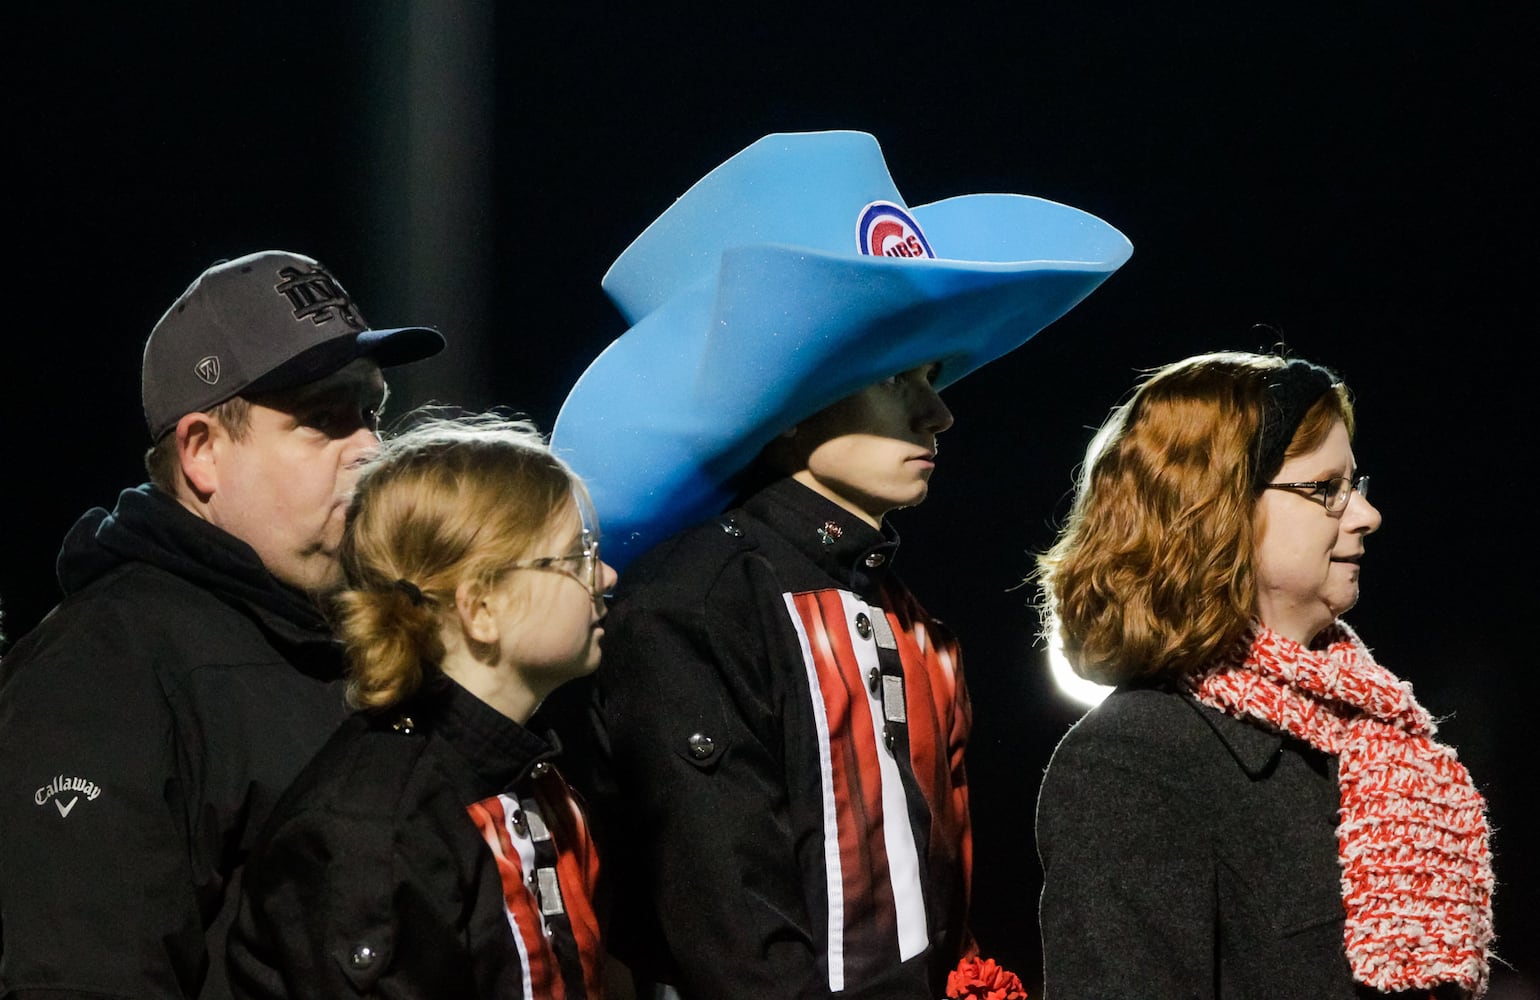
(476, 617)
(195, 434)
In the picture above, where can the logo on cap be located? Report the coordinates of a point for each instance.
(315, 295)
(886, 230)
(208, 369)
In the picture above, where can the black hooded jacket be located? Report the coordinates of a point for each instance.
(147, 726)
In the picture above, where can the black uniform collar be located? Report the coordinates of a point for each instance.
(851, 551)
(500, 751)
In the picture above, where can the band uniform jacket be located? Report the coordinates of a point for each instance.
(782, 730)
(435, 851)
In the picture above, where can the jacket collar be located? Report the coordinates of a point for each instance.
(851, 551)
(1254, 748)
(149, 526)
(500, 751)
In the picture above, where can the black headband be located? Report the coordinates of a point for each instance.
(1288, 394)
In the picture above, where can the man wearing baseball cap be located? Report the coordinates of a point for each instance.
(150, 721)
(779, 785)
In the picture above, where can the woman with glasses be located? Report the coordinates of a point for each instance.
(1259, 808)
(432, 848)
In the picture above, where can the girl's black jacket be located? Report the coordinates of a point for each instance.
(430, 852)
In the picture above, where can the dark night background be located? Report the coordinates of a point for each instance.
(1359, 175)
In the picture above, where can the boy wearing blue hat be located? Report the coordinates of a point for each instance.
(780, 726)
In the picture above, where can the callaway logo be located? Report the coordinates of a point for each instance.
(208, 369)
(886, 230)
(61, 788)
(316, 295)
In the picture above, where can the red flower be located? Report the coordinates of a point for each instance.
(981, 979)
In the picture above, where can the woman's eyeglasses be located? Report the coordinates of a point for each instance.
(1333, 494)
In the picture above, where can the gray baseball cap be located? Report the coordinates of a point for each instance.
(268, 320)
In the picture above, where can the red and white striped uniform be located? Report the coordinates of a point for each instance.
(872, 852)
(524, 836)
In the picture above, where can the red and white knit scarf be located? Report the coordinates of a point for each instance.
(1412, 831)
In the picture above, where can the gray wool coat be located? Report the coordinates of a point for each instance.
(1188, 854)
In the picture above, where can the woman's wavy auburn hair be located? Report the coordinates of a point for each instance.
(1152, 575)
(452, 500)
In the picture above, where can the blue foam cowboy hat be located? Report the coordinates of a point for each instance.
(788, 278)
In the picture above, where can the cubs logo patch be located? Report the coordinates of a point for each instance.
(208, 369)
(887, 230)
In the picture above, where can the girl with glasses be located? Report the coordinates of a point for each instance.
(433, 847)
(1258, 808)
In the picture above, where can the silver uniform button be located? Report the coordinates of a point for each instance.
(732, 529)
(362, 957)
(875, 559)
(702, 746)
(863, 625)
(541, 769)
